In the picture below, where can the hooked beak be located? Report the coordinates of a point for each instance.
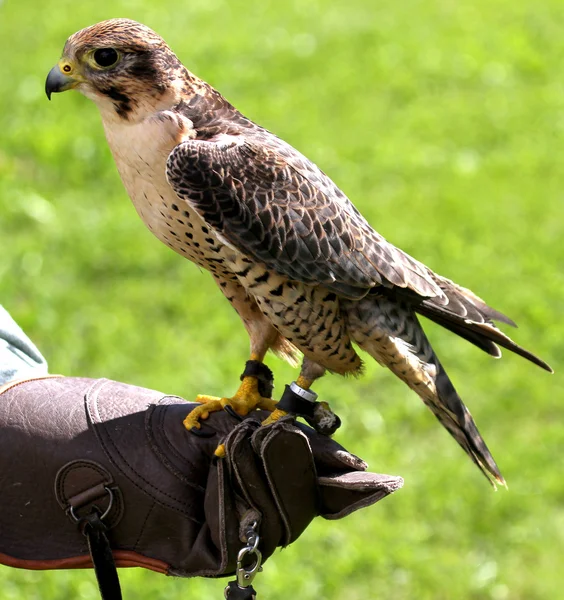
(57, 81)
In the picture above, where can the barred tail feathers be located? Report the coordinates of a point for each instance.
(391, 333)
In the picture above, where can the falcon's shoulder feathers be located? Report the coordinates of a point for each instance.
(275, 205)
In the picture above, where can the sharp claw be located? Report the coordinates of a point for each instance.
(220, 451)
(230, 410)
(243, 402)
(202, 433)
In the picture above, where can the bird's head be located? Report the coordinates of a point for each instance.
(125, 67)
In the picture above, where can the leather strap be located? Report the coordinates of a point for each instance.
(297, 401)
(292, 402)
(86, 491)
(265, 377)
(102, 559)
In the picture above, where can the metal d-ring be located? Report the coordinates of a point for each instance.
(104, 514)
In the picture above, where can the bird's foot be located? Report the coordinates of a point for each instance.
(246, 399)
(299, 401)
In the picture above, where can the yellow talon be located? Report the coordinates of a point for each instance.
(276, 414)
(246, 399)
(201, 413)
(220, 451)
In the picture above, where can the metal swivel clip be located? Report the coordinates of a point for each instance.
(242, 588)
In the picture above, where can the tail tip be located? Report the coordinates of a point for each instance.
(498, 480)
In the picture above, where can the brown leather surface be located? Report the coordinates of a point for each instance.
(55, 421)
(176, 508)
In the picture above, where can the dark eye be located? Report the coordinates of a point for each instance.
(106, 57)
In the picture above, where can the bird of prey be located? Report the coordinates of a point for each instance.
(299, 263)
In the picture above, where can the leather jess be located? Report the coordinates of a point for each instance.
(68, 445)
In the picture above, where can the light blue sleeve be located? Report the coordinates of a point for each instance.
(19, 358)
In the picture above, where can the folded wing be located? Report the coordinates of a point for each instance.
(274, 205)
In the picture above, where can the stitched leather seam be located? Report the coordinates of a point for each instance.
(148, 483)
(222, 529)
(106, 449)
(235, 466)
(158, 423)
(281, 509)
(118, 452)
(173, 450)
(142, 530)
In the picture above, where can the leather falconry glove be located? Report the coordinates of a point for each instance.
(92, 465)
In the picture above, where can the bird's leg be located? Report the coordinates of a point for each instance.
(299, 400)
(256, 385)
(255, 389)
(277, 413)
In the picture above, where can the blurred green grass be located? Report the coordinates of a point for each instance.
(443, 122)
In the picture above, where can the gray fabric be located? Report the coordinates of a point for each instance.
(19, 358)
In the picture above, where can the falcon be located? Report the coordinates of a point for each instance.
(298, 262)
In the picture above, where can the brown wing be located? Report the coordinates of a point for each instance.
(271, 203)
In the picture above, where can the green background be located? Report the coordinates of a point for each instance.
(442, 120)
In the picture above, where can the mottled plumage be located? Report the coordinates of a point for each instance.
(297, 260)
